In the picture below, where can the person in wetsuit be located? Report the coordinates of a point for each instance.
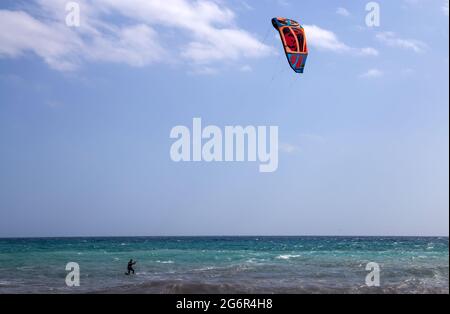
(130, 269)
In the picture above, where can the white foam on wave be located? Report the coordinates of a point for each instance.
(287, 256)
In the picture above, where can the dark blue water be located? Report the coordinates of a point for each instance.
(226, 265)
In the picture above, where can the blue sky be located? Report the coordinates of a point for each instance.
(86, 113)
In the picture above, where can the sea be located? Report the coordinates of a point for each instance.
(226, 265)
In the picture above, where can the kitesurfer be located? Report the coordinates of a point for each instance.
(130, 269)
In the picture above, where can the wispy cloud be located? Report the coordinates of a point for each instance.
(283, 3)
(206, 32)
(343, 12)
(247, 6)
(323, 39)
(372, 74)
(288, 148)
(391, 39)
(64, 48)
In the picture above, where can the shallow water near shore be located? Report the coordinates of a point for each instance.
(226, 264)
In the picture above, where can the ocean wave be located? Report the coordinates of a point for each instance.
(255, 261)
(25, 268)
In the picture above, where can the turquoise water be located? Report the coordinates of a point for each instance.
(226, 265)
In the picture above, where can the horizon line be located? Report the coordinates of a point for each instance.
(223, 236)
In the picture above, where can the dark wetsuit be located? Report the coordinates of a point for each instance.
(130, 267)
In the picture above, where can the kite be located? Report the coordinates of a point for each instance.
(294, 41)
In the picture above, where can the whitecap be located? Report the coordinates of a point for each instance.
(287, 256)
(251, 261)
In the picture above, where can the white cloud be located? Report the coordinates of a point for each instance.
(343, 12)
(136, 45)
(223, 44)
(391, 39)
(371, 74)
(214, 36)
(64, 49)
(368, 51)
(25, 33)
(200, 32)
(323, 39)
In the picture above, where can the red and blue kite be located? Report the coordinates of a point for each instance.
(294, 41)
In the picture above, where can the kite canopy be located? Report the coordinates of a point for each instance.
(293, 38)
